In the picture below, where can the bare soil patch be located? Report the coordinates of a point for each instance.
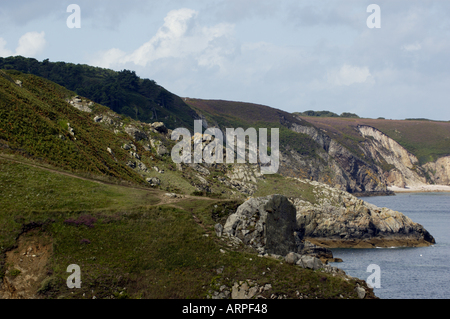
(26, 266)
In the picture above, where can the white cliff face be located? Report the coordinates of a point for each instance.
(398, 153)
(347, 171)
(439, 171)
(407, 171)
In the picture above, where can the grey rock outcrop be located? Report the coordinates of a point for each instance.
(335, 219)
(322, 253)
(361, 292)
(71, 131)
(200, 169)
(309, 262)
(240, 290)
(339, 219)
(153, 181)
(79, 104)
(266, 223)
(160, 127)
(305, 261)
(131, 164)
(159, 147)
(135, 133)
(219, 230)
(292, 258)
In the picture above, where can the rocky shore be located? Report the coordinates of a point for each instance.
(420, 189)
(279, 225)
(341, 220)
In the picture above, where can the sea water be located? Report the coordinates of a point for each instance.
(408, 273)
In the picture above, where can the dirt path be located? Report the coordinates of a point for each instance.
(27, 264)
(161, 195)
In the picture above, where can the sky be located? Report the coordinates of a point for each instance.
(293, 55)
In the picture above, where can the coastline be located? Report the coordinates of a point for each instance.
(420, 189)
(378, 242)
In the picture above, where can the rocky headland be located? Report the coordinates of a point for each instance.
(279, 225)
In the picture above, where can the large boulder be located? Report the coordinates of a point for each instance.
(267, 224)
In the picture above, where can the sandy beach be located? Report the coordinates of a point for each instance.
(420, 189)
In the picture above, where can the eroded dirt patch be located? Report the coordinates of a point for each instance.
(26, 266)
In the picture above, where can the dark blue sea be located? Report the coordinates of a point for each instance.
(408, 273)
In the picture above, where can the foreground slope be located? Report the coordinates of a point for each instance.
(63, 165)
(63, 159)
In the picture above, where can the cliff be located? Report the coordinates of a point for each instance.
(361, 156)
(347, 171)
(406, 169)
(349, 154)
(438, 171)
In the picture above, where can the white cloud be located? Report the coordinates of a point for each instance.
(412, 47)
(3, 51)
(179, 37)
(107, 59)
(31, 43)
(348, 75)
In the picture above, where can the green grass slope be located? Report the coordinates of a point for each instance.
(34, 122)
(123, 92)
(128, 247)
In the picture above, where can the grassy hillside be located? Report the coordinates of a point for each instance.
(123, 92)
(246, 113)
(34, 121)
(129, 244)
(427, 140)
